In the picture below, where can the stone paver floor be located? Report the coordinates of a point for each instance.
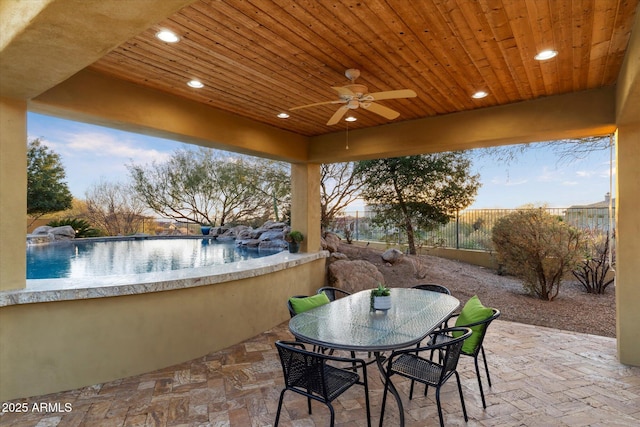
(540, 376)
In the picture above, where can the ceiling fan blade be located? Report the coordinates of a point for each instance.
(393, 94)
(337, 115)
(343, 91)
(339, 101)
(381, 110)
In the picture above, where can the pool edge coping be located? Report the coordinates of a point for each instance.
(136, 284)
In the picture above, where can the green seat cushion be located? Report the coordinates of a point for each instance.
(300, 305)
(472, 312)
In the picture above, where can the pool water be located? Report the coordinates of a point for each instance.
(80, 259)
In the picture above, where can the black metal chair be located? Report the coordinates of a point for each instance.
(433, 287)
(309, 374)
(333, 293)
(480, 328)
(409, 364)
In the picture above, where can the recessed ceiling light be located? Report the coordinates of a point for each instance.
(545, 54)
(283, 116)
(167, 36)
(350, 119)
(479, 94)
(196, 84)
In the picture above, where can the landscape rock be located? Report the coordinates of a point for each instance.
(392, 256)
(66, 232)
(330, 241)
(354, 276)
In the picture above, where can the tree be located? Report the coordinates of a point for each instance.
(537, 247)
(566, 149)
(114, 208)
(210, 187)
(424, 190)
(339, 186)
(47, 192)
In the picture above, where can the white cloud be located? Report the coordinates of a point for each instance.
(108, 146)
(585, 174)
(508, 182)
(549, 175)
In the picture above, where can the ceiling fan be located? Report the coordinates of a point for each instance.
(355, 95)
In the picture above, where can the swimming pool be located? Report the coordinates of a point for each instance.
(122, 256)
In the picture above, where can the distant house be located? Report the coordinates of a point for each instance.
(595, 215)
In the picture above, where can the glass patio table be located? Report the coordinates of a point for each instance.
(349, 324)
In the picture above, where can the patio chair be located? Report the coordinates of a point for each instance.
(333, 293)
(309, 374)
(474, 345)
(479, 330)
(433, 287)
(409, 364)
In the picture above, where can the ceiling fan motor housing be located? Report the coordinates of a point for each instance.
(352, 74)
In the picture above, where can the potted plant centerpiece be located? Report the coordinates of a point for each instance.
(294, 238)
(380, 298)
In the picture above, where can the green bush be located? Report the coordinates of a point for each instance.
(82, 227)
(538, 248)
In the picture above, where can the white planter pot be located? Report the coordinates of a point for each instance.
(381, 303)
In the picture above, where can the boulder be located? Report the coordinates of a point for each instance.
(392, 256)
(354, 276)
(66, 232)
(330, 241)
(42, 230)
(406, 266)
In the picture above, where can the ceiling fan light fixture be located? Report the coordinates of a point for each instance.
(350, 119)
(283, 116)
(479, 94)
(197, 84)
(545, 54)
(167, 36)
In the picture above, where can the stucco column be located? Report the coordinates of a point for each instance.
(305, 204)
(628, 244)
(13, 193)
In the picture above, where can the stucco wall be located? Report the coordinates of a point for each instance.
(57, 346)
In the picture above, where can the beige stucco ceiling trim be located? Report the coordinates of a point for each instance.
(42, 44)
(571, 115)
(94, 98)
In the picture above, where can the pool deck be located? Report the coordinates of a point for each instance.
(50, 290)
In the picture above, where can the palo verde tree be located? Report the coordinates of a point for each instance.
(424, 190)
(47, 192)
(212, 187)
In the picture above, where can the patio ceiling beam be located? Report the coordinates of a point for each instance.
(570, 115)
(92, 97)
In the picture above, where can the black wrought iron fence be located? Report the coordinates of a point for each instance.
(470, 229)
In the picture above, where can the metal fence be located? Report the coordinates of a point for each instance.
(470, 229)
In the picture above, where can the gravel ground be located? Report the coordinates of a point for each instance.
(572, 310)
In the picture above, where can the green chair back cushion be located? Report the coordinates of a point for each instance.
(472, 312)
(300, 305)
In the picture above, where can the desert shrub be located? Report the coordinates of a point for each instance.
(82, 227)
(538, 248)
(592, 270)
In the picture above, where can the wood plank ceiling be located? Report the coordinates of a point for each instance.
(258, 58)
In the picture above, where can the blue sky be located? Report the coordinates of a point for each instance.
(92, 153)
